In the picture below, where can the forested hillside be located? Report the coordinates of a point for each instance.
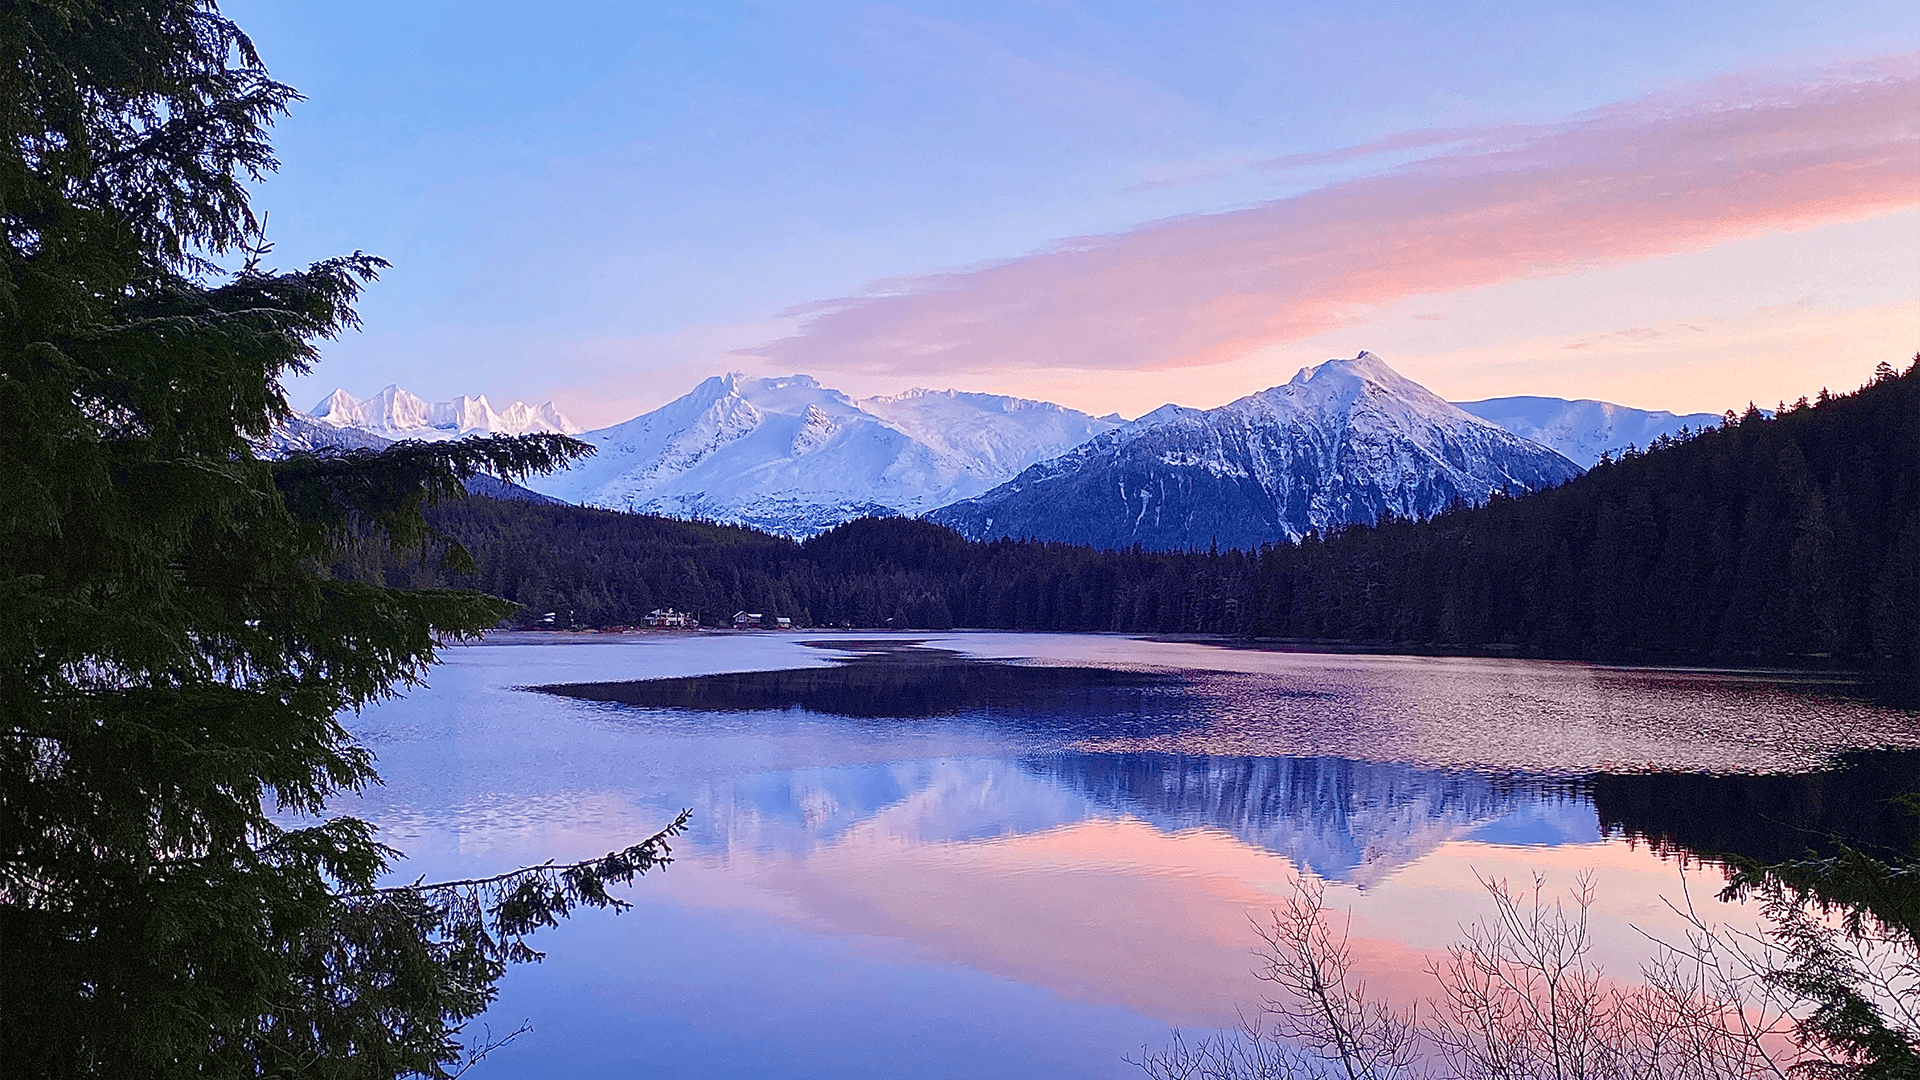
(1786, 539)
(1793, 539)
(597, 568)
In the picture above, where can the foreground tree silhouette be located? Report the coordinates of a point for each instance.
(172, 657)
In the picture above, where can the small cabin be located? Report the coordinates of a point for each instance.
(667, 618)
(748, 620)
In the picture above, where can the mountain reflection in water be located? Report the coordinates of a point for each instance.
(1345, 818)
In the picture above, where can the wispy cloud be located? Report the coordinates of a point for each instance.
(1676, 172)
(1480, 137)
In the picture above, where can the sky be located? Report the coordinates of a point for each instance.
(1108, 205)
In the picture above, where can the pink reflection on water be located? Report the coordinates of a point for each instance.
(1478, 713)
(1119, 912)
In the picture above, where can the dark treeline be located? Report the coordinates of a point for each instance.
(1794, 539)
(597, 568)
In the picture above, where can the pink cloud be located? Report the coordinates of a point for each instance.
(1657, 176)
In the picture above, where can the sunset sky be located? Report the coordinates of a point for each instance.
(1108, 205)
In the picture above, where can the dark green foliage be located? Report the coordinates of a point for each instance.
(174, 653)
(1833, 858)
(1769, 818)
(606, 568)
(603, 568)
(1788, 540)
(1850, 923)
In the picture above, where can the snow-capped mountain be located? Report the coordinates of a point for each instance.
(1582, 430)
(395, 414)
(1343, 442)
(304, 434)
(1347, 820)
(791, 456)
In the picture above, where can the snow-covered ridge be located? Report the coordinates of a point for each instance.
(791, 456)
(1342, 442)
(1583, 429)
(298, 433)
(397, 414)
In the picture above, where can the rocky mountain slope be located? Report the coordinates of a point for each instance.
(1343, 442)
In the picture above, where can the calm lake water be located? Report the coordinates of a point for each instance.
(1010, 855)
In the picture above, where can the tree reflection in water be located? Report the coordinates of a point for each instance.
(907, 680)
(1321, 810)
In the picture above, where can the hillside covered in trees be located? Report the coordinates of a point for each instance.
(1765, 540)
(1791, 539)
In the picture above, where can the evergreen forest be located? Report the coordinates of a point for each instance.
(1785, 539)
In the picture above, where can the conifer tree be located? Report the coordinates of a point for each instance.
(173, 655)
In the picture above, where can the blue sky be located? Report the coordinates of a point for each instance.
(601, 203)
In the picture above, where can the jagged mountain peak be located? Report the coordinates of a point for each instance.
(1341, 384)
(1368, 372)
(394, 413)
(1342, 442)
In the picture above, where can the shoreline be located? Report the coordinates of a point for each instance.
(1904, 689)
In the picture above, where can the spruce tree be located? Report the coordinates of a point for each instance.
(173, 654)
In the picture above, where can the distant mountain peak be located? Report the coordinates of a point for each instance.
(786, 454)
(1362, 363)
(1342, 442)
(1582, 429)
(393, 413)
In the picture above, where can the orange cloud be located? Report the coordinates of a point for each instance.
(1640, 180)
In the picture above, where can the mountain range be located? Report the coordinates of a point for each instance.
(789, 456)
(1584, 429)
(303, 434)
(1343, 441)
(395, 414)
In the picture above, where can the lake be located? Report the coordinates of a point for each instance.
(1014, 855)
